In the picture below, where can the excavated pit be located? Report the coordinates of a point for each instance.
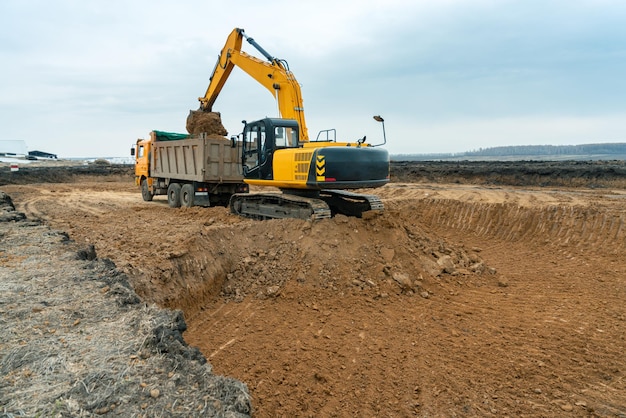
(392, 253)
(374, 257)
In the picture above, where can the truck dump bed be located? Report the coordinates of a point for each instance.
(196, 158)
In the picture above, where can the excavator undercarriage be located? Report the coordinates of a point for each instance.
(309, 206)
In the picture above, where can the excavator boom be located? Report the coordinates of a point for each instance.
(273, 74)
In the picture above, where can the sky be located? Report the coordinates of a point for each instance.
(87, 78)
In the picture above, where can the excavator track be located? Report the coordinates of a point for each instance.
(278, 206)
(283, 205)
(350, 204)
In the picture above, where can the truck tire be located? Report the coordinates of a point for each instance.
(173, 195)
(145, 192)
(187, 195)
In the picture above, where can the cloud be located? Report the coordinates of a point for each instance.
(114, 70)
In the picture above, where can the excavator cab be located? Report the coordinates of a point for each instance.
(261, 139)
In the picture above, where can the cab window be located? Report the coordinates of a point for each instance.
(285, 137)
(254, 135)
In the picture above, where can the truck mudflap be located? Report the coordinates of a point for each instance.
(349, 203)
(278, 206)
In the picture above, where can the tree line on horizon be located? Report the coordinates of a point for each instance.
(539, 150)
(584, 149)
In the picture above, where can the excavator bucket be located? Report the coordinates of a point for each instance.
(200, 121)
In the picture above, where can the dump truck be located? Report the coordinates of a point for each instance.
(192, 170)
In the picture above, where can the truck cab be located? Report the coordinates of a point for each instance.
(141, 152)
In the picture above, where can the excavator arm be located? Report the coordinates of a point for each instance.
(273, 74)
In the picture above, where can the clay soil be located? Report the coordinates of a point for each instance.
(467, 296)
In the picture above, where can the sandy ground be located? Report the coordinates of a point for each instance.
(458, 300)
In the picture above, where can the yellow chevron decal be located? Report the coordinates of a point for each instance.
(320, 165)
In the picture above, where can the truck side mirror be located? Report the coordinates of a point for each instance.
(233, 141)
(132, 152)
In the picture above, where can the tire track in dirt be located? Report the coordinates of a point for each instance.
(40, 201)
(31, 208)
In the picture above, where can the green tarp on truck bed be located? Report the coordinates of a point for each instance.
(169, 136)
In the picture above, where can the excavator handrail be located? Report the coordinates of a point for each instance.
(327, 132)
(273, 74)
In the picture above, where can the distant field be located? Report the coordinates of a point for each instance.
(534, 157)
(592, 174)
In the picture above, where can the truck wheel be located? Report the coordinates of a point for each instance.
(173, 195)
(187, 195)
(145, 192)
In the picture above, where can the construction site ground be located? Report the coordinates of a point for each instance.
(465, 297)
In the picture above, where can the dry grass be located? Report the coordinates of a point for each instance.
(77, 341)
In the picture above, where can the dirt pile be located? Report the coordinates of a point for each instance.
(371, 257)
(375, 257)
(76, 340)
(210, 123)
(7, 209)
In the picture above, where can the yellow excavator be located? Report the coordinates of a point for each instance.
(312, 175)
